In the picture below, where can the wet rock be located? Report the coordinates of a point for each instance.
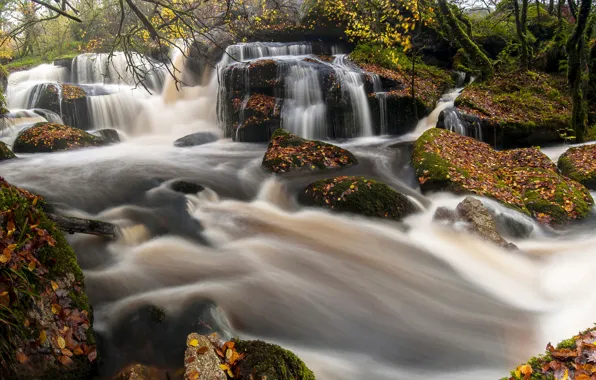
(186, 187)
(512, 224)
(269, 361)
(67, 100)
(141, 372)
(481, 222)
(47, 331)
(579, 164)
(50, 137)
(255, 119)
(5, 152)
(445, 214)
(514, 110)
(287, 152)
(523, 179)
(259, 76)
(358, 195)
(109, 135)
(200, 359)
(195, 139)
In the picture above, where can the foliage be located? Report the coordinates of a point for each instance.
(358, 195)
(524, 179)
(51, 137)
(5, 152)
(579, 164)
(288, 152)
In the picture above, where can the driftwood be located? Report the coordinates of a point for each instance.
(85, 226)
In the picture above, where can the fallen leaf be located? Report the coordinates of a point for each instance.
(22, 358)
(61, 342)
(193, 342)
(202, 350)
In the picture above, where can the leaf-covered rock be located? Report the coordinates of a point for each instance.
(200, 359)
(579, 164)
(524, 179)
(51, 137)
(5, 152)
(67, 100)
(288, 152)
(358, 195)
(45, 318)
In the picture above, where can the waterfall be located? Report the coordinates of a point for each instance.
(113, 110)
(452, 121)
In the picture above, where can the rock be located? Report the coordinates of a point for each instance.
(579, 164)
(195, 139)
(50, 137)
(141, 372)
(200, 359)
(35, 343)
(256, 119)
(67, 100)
(287, 152)
(514, 110)
(358, 195)
(109, 135)
(524, 179)
(481, 222)
(5, 152)
(445, 214)
(185, 187)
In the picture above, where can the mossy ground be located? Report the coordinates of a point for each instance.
(430, 82)
(5, 152)
(269, 361)
(524, 179)
(358, 195)
(51, 137)
(579, 164)
(45, 317)
(288, 152)
(520, 100)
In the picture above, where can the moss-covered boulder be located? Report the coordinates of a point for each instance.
(269, 361)
(515, 110)
(45, 318)
(524, 179)
(573, 358)
(5, 152)
(358, 195)
(579, 164)
(255, 119)
(51, 137)
(288, 152)
(67, 100)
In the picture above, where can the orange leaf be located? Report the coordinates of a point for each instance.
(202, 350)
(22, 358)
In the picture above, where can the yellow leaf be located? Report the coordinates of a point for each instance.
(193, 342)
(42, 337)
(61, 342)
(56, 308)
(31, 266)
(54, 286)
(229, 353)
(225, 367)
(4, 258)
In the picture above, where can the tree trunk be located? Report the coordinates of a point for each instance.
(578, 72)
(478, 58)
(551, 7)
(521, 22)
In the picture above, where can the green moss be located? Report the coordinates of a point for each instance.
(5, 152)
(579, 164)
(271, 362)
(51, 137)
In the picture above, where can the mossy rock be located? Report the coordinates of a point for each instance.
(571, 359)
(579, 164)
(5, 152)
(51, 137)
(67, 100)
(523, 179)
(46, 330)
(358, 195)
(288, 153)
(270, 361)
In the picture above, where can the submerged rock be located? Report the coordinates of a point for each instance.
(288, 152)
(513, 110)
(141, 372)
(47, 324)
(50, 137)
(524, 179)
(5, 152)
(579, 164)
(195, 139)
(186, 187)
(358, 195)
(109, 135)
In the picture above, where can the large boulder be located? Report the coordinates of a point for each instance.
(513, 110)
(358, 195)
(288, 152)
(50, 137)
(579, 164)
(46, 329)
(524, 179)
(256, 118)
(5, 152)
(67, 100)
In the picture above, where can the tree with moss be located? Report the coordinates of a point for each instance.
(578, 69)
(521, 26)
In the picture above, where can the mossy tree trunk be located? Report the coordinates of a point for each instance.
(578, 71)
(478, 58)
(551, 7)
(521, 26)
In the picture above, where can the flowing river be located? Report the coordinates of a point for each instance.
(355, 298)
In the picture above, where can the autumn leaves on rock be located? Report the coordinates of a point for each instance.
(288, 152)
(579, 164)
(50, 137)
(524, 179)
(45, 318)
